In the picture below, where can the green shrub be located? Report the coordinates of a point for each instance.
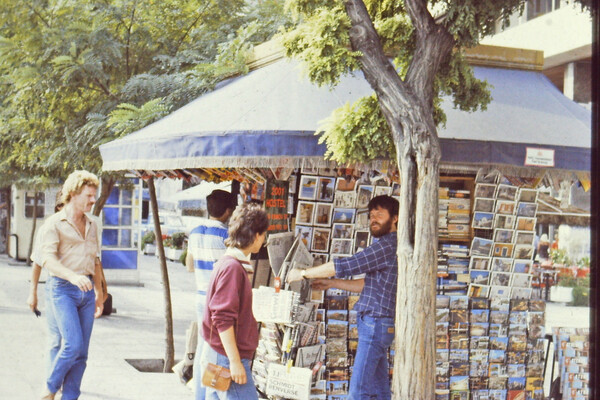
(183, 256)
(581, 296)
(148, 238)
(177, 240)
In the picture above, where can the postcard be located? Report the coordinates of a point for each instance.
(308, 188)
(319, 259)
(519, 305)
(537, 305)
(484, 205)
(481, 247)
(325, 188)
(365, 193)
(498, 317)
(459, 302)
(485, 190)
(500, 291)
(500, 279)
(522, 266)
(505, 207)
(525, 237)
(323, 212)
(498, 330)
(479, 328)
(504, 221)
(507, 192)
(479, 303)
(526, 209)
(476, 290)
(361, 238)
(343, 215)
(516, 370)
(479, 277)
(382, 191)
(528, 195)
(480, 263)
(304, 215)
(503, 235)
(341, 246)
(516, 357)
(502, 250)
(497, 356)
(342, 231)
(480, 342)
(498, 343)
(521, 280)
(344, 199)
(525, 224)
(500, 264)
(321, 239)
(479, 316)
(305, 234)
(442, 301)
(521, 293)
(500, 304)
(483, 220)
(362, 220)
(345, 183)
(523, 252)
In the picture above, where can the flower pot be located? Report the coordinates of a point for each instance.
(150, 248)
(172, 253)
(561, 294)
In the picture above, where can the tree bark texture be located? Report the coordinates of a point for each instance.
(170, 347)
(408, 109)
(108, 183)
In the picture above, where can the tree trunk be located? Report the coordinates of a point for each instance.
(408, 110)
(31, 239)
(108, 183)
(170, 349)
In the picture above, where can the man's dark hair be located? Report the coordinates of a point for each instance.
(219, 201)
(387, 202)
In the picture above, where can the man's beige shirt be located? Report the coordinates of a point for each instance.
(62, 242)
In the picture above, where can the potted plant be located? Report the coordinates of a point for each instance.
(174, 246)
(148, 245)
(562, 292)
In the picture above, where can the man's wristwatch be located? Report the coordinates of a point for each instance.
(303, 274)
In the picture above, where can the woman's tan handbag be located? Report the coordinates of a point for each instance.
(216, 377)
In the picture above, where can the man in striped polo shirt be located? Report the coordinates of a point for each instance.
(206, 245)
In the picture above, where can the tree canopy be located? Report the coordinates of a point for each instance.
(79, 73)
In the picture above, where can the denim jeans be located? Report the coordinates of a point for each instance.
(236, 391)
(200, 391)
(370, 374)
(74, 314)
(54, 337)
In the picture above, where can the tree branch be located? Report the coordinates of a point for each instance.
(433, 45)
(379, 71)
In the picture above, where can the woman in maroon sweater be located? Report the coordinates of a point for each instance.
(229, 326)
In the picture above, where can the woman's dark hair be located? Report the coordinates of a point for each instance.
(387, 202)
(246, 221)
(220, 201)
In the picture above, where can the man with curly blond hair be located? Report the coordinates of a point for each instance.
(69, 251)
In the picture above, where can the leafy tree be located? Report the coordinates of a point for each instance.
(79, 73)
(425, 40)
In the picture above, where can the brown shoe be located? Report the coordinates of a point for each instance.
(47, 395)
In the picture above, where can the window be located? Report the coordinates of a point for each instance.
(535, 8)
(30, 201)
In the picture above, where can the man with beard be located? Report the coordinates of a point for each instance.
(376, 306)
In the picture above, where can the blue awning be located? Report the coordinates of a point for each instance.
(268, 118)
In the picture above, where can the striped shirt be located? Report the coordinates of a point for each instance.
(206, 244)
(379, 263)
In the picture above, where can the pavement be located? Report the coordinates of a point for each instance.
(135, 331)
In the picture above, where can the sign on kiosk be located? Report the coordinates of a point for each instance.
(276, 205)
(289, 383)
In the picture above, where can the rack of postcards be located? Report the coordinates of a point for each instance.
(573, 353)
(490, 335)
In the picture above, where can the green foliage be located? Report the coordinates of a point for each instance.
(149, 237)
(358, 132)
(77, 74)
(183, 256)
(320, 39)
(177, 240)
(560, 256)
(581, 296)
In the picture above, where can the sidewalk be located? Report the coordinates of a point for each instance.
(135, 331)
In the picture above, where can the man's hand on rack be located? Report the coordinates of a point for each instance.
(322, 284)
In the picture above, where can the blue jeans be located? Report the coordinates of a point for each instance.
(54, 337)
(236, 391)
(74, 314)
(199, 389)
(370, 374)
